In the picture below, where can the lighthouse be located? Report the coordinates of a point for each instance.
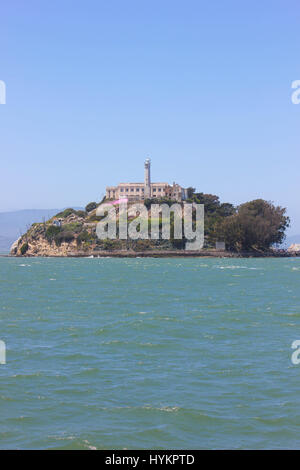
(147, 178)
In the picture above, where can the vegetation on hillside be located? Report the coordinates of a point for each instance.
(214, 213)
(255, 225)
(90, 206)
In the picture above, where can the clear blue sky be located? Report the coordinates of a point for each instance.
(202, 87)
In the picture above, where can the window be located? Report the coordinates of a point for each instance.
(126, 190)
(132, 190)
(122, 190)
(137, 190)
(159, 189)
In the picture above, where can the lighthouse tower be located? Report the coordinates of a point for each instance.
(147, 178)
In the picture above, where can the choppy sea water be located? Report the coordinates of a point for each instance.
(149, 353)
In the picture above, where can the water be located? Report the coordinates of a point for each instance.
(149, 353)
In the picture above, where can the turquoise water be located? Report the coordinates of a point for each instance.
(149, 353)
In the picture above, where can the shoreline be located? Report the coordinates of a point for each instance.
(163, 254)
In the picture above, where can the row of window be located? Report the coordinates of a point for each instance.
(127, 190)
(138, 190)
(131, 189)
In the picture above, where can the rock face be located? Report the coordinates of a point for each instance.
(294, 248)
(14, 246)
(63, 235)
(73, 233)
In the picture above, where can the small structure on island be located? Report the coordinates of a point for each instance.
(57, 222)
(220, 246)
(147, 190)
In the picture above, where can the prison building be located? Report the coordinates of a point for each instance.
(146, 190)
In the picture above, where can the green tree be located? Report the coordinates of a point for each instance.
(52, 232)
(190, 192)
(226, 209)
(66, 213)
(64, 237)
(86, 237)
(214, 213)
(257, 225)
(81, 213)
(90, 206)
(24, 248)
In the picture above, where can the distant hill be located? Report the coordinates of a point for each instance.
(13, 224)
(5, 244)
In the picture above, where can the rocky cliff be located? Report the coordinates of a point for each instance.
(73, 233)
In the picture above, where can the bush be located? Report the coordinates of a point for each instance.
(178, 244)
(64, 237)
(142, 245)
(24, 248)
(66, 213)
(85, 237)
(108, 244)
(81, 213)
(91, 206)
(52, 232)
(95, 218)
(159, 200)
(75, 227)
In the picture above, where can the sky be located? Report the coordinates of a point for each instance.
(201, 87)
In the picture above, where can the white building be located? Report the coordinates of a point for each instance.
(140, 191)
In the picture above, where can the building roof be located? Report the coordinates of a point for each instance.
(142, 184)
